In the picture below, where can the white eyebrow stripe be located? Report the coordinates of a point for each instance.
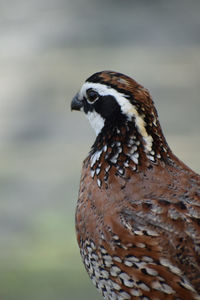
(102, 89)
(126, 107)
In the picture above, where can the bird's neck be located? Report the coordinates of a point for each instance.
(121, 150)
(127, 144)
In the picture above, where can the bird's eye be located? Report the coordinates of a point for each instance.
(92, 95)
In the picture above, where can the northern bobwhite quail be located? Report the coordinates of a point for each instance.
(138, 212)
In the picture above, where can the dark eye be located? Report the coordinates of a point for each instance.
(92, 95)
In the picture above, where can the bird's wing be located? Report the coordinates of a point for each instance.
(163, 249)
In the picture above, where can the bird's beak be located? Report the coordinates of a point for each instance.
(76, 104)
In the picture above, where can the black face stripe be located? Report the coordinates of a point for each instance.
(87, 106)
(107, 107)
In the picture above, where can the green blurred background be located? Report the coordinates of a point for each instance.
(47, 49)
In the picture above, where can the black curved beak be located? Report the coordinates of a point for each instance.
(76, 104)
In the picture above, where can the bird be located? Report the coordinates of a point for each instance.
(138, 211)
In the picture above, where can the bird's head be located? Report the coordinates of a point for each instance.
(110, 98)
(112, 101)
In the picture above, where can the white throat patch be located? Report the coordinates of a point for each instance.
(96, 121)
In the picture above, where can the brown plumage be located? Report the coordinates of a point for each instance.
(138, 212)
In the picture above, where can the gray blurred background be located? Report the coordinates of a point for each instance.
(47, 49)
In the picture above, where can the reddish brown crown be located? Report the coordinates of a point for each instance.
(138, 213)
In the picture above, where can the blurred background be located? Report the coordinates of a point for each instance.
(47, 50)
